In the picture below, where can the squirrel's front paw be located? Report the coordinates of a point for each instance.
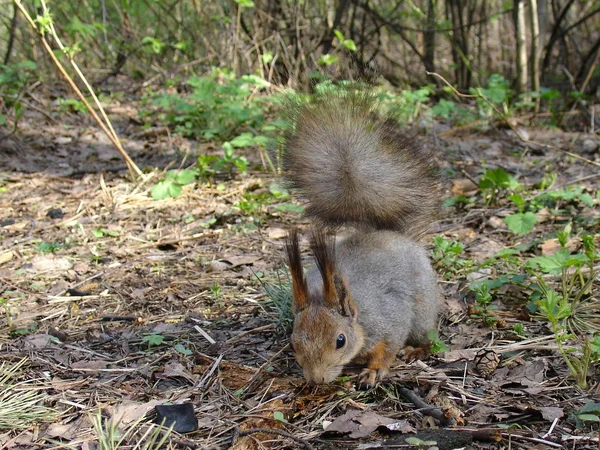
(368, 377)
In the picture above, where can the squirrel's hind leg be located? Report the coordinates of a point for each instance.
(379, 359)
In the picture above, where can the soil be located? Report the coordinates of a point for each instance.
(118, 302)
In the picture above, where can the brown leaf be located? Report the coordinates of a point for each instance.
(6, 256)
(550, 247)
(359, 424)
(129, 411)
(176, 369)
(463, 186)
(94, 365)
(241, 260)
(551, 412)
(276, 233)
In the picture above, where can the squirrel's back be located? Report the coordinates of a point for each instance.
(356, 168)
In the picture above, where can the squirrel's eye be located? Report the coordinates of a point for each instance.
(340, 342)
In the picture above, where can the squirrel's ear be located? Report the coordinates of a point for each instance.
(345, 300)
(299, 287)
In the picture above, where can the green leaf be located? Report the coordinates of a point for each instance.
(521, 223)
(553, 264)
(349, 44)
(153, 339)
(184, 351)
(243, 140)
(588, 417)
(278, 415)
(290, 207)
(186, 176)
(495, 178)
(245, 3)
(339, 35)
(165, 189)
(327, 60)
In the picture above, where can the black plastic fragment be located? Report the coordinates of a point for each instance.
(181, 415)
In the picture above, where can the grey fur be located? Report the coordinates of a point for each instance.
(393, 285)
(356, 168)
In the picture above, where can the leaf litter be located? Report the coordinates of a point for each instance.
(86, 293)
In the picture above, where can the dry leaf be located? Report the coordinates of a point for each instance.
(551, 412)
(550, 247)
(95, 365)
(129, 411)
(464, 186)
(6, 256)
(241, 260)
(359, 424)
(276, 233)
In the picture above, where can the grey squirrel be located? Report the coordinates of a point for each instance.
(374, 291)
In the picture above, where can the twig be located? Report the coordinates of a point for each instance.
(532, 439)
(239, 433)
(133, 168)
(260, 369)
(425, 408)
(205, 335)
(210, 372)
(245, 333)
(554, 422)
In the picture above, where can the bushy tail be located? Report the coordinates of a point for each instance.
(355, 168)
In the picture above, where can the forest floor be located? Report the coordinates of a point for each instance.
(117, 302)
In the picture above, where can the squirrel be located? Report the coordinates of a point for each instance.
(375, 291)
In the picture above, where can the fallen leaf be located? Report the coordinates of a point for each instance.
(89, 366)
(50, 264)
(129, 411)
(241, 260)
(551, 412)
(276, 233)
(6, 256)
(176, 369)
(550, 247)
(359, 424)
(464, 186)
(39, 340)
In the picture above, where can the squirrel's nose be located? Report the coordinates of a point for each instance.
(314, 379)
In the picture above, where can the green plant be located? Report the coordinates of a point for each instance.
(218, 106)
(571, 312)
(590, 412)
(216, 290)
(279, 294)
(422, 445)
(437, 345)
(495, 181)
(49, 247)
(153, 339)
(13, 80)
(136, 435)
(494, 97)
(22, 404)
(407, 106)
(483, 308)
(102, 232)
(447, 253)
(172, 184)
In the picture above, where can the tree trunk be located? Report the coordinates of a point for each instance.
(521, 36)
(535, 51)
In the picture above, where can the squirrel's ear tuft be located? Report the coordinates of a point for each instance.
(345, 300)
(299, 287)
(324, 253)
